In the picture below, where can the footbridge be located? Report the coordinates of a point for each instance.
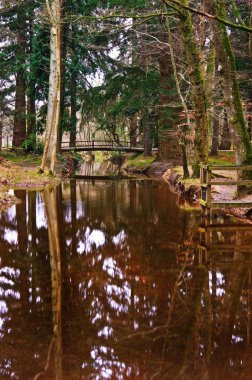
(106, 145)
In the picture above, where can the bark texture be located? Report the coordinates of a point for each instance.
(19, 130)
(231, 92)
(198, 91)
(54, 98)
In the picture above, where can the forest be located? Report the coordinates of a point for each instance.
(153, 73)
(125, 189)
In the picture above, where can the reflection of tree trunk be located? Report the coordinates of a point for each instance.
(249, 323)
(52, 213)
(73, 212)
(214, 295)
(208, 317)
(22, 245)
(237, 279)
(200, 276)
(32, 232)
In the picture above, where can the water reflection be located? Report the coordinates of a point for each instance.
(105, 280)
(91, 167)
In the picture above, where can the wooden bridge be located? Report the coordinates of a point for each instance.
(106, 145)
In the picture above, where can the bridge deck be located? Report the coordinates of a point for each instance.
(102, 148)
(106, 146)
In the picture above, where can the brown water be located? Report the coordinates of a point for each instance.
(101, 280)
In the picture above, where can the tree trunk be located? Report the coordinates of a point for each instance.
(186, 173)
(147, 135)
(31, 93)
(73, 109)
(165, 113)
(215, 136)
(133, 130)
(198, 91)
(73, 92)
(1, 134)
(19, 130)
(250, 36)
(225, 134)
(231, 92)
(54, 100)
(63, 106)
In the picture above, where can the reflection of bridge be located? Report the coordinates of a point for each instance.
(106, 145)
(224, 238)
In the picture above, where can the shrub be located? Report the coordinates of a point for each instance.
(33, 145)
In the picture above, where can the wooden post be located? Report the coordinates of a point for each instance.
(92, 143)
(208, 189)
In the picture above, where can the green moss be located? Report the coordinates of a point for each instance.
(191, 181)
(225, 159)
(21, 158)
(140, 161)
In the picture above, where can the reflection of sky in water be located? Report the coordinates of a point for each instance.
(11, 212)
(7, 277)
(95, 238)
(110, 266)
(120, 238)
(104, 359)
(40, 214)
(11, 236)
(115, 296)
(220, 280)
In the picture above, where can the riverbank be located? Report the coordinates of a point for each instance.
(170, 171)
(21, 172)
(189, 189)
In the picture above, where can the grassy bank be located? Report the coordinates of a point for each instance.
(21, 171)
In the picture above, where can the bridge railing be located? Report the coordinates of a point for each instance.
(100, 144)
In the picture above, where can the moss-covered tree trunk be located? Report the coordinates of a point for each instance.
(225, 134)
(231, 92)
(210, 79)
(215, 136)
(73, 91)
(198, 90)
(1, 134)
(166, 115)
(186, 173)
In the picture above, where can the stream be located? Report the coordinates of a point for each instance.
(104, 279)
